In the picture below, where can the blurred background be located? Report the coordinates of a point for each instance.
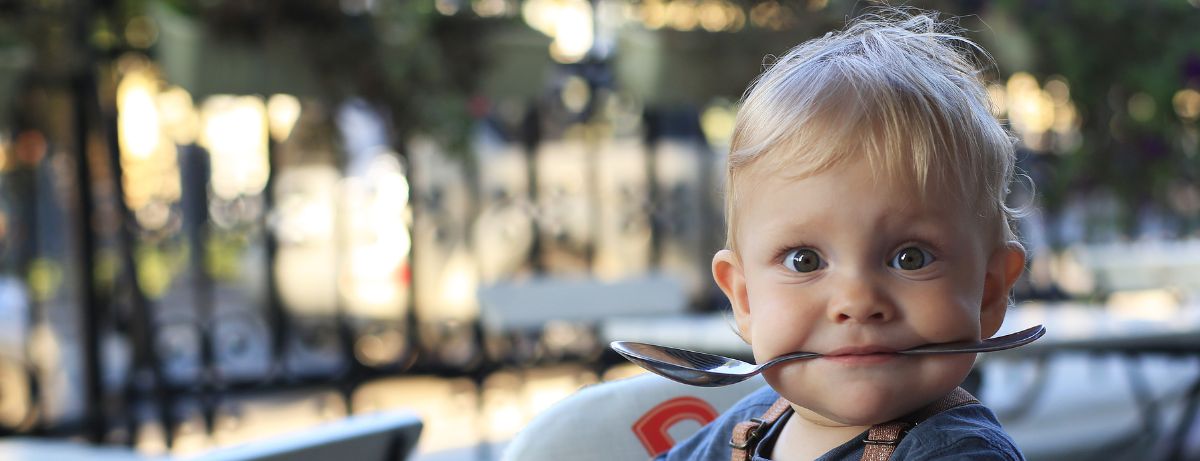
(222, 220)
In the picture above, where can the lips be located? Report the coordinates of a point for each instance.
(862, 355)
(860, 350)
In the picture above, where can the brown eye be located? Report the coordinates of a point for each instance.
(802, 260)
(911, 259)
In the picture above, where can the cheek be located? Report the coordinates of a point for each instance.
(956, 366)
(771, 333)
(949, 311)
(968, 280)
(970, 289)
(778, 327)
(953, 323)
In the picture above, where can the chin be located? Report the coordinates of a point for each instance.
(861, 406)
(850, 404)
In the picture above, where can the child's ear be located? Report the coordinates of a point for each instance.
(1004, 268)
(727, 272)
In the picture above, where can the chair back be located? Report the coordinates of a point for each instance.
(634, 418)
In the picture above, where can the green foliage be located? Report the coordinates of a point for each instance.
(428, 67)
(1110, 52)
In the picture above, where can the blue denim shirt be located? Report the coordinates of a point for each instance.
(966, 432)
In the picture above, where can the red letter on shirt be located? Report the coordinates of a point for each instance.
(652, 427)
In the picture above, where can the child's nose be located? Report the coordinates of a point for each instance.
(858, 300)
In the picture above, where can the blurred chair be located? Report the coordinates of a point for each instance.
(633, 418)
(378, 436)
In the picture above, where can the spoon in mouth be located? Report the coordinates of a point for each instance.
(710, 370)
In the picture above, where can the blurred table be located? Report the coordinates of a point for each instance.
(1099, 328)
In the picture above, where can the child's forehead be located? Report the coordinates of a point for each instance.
(901, 183)
(766, 176)
(896, 197)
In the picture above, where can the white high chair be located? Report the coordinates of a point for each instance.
(634, 418)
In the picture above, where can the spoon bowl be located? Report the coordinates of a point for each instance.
(711, 370)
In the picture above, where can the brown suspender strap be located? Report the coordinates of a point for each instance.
(747, 433)
(881, 440)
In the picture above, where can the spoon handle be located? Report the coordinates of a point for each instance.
(998, 343)
(787, 357)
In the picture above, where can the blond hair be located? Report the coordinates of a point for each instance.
(902, 89)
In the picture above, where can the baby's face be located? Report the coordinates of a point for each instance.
(853, 267)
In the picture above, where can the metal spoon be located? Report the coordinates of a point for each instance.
(709, 370)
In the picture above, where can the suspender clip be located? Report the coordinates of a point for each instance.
(751, 437)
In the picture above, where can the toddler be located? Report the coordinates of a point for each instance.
(866, 215)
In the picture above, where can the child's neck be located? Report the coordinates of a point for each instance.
(807, 436)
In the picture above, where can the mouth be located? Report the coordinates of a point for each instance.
(862, 355)
(860, 350)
